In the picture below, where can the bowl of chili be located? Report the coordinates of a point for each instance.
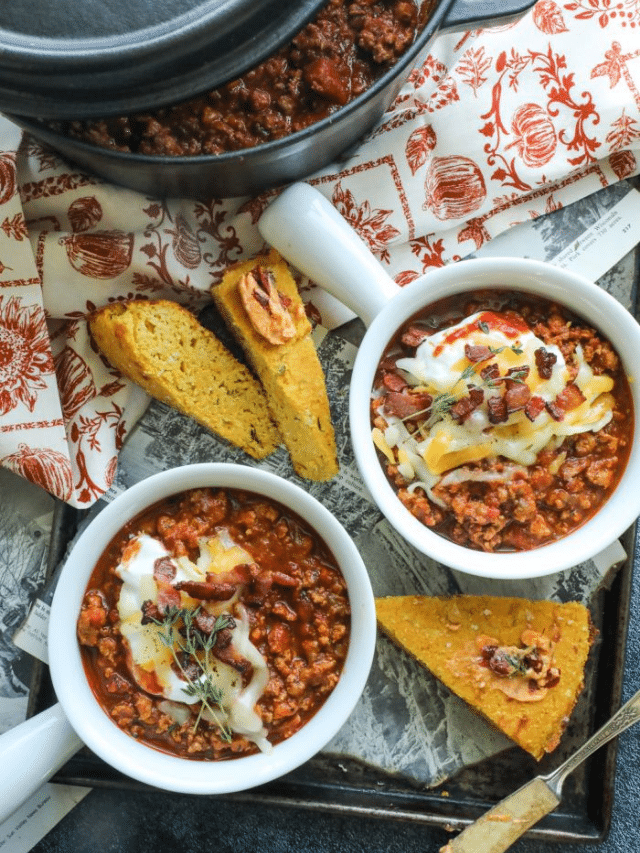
(212, 629)
(492, 402)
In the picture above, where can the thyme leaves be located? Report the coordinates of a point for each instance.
(191, 650)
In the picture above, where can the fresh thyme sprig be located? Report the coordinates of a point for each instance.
(518, 374)
(180, 634)
(442, 403)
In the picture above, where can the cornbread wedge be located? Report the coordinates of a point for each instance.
(260, 303)
(163, 348)
(519, 663)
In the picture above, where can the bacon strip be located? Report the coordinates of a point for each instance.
(207, 591)
(217, 587)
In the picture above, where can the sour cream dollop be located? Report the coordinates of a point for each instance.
(150, 658)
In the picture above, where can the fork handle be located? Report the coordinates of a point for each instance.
(623, 718)
(496, 830)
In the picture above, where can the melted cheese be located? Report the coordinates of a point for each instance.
(441, 367)
(150, 659)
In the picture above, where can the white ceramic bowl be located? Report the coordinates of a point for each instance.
(308, 231)
(99, 732)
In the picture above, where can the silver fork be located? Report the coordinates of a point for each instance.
(502, 825)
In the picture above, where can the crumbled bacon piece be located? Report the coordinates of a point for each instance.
(517, 374)
(164, 570)
(490, 373)
(205, 621)
(168, 596)
(498, 412)
(517, 396)
(388, 364)
(477, 352)
(394, 381)
(463, 407)
(569, 398)
(227, 653)
(534, 406)
(544, 362)
(150, 612)
(407, 403)
(413, 336)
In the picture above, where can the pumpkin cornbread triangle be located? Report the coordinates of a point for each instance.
(260, 302)
(162, 347)
(519, 663)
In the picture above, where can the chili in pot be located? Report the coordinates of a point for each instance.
(335, 58)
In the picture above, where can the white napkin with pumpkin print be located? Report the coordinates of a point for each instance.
(499, 125)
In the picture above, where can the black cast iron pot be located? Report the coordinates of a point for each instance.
(282, 161)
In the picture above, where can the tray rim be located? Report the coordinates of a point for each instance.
(436, 808)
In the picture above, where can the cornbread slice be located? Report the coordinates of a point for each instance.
(260, 302)
(517, 662)
(162, 347)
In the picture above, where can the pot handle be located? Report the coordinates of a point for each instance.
(31, 753)
(462, 12)
(308, 231)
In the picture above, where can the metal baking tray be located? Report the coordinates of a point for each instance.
(333, 783)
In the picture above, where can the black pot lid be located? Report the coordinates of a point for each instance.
(78, 58)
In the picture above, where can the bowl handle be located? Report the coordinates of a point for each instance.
(308, 231)
(31, 753)
(462, 12)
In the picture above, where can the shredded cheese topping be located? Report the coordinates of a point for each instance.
(453, 364)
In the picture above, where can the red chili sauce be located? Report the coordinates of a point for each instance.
(330, 62)
(292, 593)
(494, 503)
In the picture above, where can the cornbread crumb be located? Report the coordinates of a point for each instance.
(162, 347)
(272, 327)
(530, 708)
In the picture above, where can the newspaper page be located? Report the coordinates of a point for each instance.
(405, 723)
(26, 519)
